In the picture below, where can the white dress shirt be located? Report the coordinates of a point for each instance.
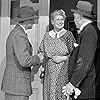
(82, 26)
(23, 28)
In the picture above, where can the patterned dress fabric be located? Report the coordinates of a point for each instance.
(56, 74)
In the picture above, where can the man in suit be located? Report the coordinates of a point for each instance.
(16, 81)
(82, 73)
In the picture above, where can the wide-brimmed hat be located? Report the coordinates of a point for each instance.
(84, 8)
(26, 13)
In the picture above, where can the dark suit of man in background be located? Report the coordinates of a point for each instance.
(97, 66)
(82, 73)
(17, 75)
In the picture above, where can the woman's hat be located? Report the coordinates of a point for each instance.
(26, 13)
(84, 8)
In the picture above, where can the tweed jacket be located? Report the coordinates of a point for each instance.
(81, 64)
(19, 59)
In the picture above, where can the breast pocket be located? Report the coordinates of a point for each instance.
(23, 75)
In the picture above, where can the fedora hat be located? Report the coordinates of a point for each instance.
(84, 8)
(26, 13)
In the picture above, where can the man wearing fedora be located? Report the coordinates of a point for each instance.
(82, 71)
(17, 75)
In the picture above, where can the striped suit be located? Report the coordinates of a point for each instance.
(81, 64)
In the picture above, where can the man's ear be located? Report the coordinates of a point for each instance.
(79, 17)
(26, 22)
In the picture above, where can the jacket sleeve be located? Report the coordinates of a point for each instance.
(21, 51)
(85, 58)
(42, 51)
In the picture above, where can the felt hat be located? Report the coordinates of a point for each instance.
(84, 8)
(26, 13)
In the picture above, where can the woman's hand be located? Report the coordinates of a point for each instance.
(59, 59)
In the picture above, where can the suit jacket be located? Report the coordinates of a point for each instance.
(81, 64)
(97, 65)
(19, 59)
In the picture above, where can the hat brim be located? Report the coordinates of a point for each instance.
(17, 19)
(84, 14)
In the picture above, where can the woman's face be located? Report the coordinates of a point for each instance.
(58, 22)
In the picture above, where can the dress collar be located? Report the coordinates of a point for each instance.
(53, 32)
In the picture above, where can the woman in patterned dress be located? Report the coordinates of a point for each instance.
(56, 47)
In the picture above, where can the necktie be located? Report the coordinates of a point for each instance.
(56, 35)
(26, 34)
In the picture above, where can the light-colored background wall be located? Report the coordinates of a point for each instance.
(3, 35)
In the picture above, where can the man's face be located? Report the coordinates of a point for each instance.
(31, 22)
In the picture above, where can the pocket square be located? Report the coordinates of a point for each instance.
(75, 45)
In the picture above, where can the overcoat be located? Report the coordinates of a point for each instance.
(19, 59)
(81, 64)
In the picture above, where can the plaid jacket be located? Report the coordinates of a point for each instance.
(19, 59)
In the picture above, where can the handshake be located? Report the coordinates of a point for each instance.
(40, 56)
(69, 89)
